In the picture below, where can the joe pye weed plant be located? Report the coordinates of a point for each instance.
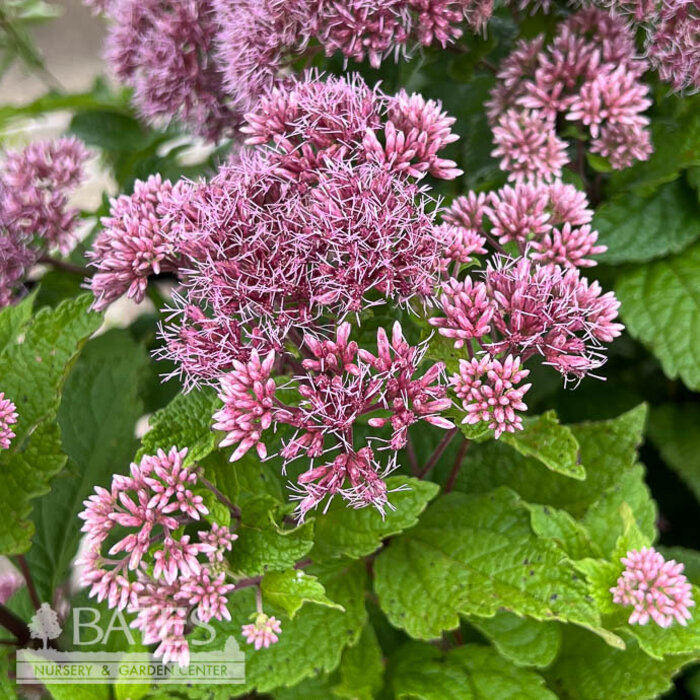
(379, 356)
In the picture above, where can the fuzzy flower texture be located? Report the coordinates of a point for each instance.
(655, 588)
(207, 61)
(325, 217)
(35, 218)
(588, 75)
(138, 558)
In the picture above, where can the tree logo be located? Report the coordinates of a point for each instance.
(44, 625)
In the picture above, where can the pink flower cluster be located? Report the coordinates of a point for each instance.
(550, 223)
(151, 568)
(341, 384)
(263, 632)
(165, 50)
(8, 417)
(536, 304)
(135, 242)
(672, 37)
(206, 61)
(655, 588)
(321, 219)
(588, 75)
(35, 184)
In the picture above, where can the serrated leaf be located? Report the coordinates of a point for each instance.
(263, 545)
(290, 589)
(587, 669)
(475, 554)
(344, 531)
(638, 229)
(661, 642)
(471, 672)
(608, 449)
(13, 319)
(570, 534)
(520, 640)
(602, 520)
(97, 415)
(361, 668)
(549, 442)
(310, 645)
(661, 308)
(675, 431)
(184, 422)
(33, 372)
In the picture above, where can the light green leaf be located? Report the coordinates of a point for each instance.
(344, 531)
(661, 308)
(524, 642)
(475, 554)
(471, 672)
(310, 645)
(608, 449)
(549, 442)
(587, 669)
(98, 412)
(570, 534)
(361, 668)
(184, 422)
(33, 372)
(602, 520)
(263, 545)
(290, 589)
(675, 431)
(14, 318)
(638, 229)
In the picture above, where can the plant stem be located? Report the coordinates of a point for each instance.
(235, 510)
(255, 580)
(27, 574)
(16, 625)
(65, 266)
(442, 446)
(449, 484)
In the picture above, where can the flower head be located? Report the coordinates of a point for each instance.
(263, 632)
(655, 588)
(8, 417)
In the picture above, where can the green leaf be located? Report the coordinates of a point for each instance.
(661, 642)
(661, 308)
(184, 422)
(524, 642)
(344, 531)
(110, 130)
(263, 545)
(602, 520)
(673, 428)
(309, 645)
(361, 668)
(470, 672)
(549, 442)
(558, 525)
(676, 146)
(33, 372)
(638, 229)
(608, 449)
(475, 554)
(14, 318)
(587, 669)
(290, 589)
(97, 416)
